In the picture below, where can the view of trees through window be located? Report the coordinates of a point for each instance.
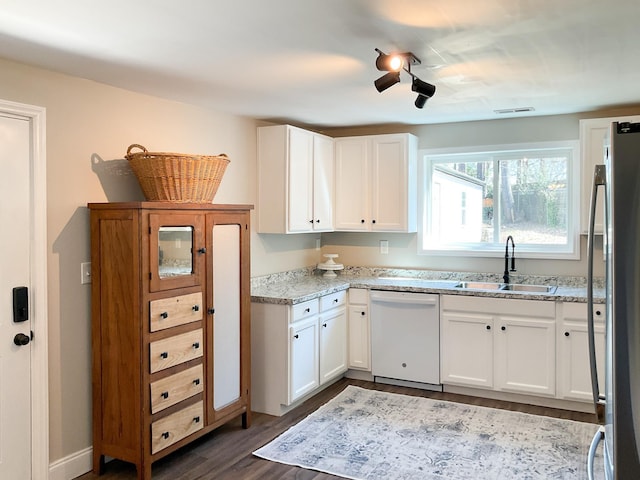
(482, 198)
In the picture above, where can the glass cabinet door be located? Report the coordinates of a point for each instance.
(177, 249)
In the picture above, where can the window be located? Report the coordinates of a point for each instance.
(474, 199)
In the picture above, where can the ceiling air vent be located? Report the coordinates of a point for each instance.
(515, 110)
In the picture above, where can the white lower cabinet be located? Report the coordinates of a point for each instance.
(359, 330)
(574, 368)
(510, 346)
(295, 349)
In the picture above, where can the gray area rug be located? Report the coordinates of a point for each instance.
(368, 435)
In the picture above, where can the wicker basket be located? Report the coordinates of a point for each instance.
(175, 177)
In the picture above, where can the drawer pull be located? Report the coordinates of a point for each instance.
(196, 381)
(196, 344)
(196, 308)
(164, 315)
(336, 300)
(164, 395)
(202, 250)
(164, 355)
(196, 419)
(598, 313)
(211, 311)
(307, 310)
(165, 435)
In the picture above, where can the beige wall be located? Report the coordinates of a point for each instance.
(89, 127)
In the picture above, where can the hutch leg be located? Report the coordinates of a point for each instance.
(98, 462)
(246, 419)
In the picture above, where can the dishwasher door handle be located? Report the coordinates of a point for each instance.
(414, 299)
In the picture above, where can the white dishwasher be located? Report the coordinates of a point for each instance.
(405, 336)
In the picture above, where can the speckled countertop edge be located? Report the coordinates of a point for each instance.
(301, 285)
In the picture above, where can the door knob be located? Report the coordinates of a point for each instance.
(21, 339)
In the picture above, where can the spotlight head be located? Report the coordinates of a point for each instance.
(421, 100)
(389, 63)
(386, 81)
(423, 89)
(394, 62)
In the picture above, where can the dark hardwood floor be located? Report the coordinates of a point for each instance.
(225, 454)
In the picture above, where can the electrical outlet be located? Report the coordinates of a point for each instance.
(85, 273)
(384, 247)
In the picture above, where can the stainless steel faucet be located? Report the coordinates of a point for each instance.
(505, 277)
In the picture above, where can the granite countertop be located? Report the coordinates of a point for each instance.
(297, 287)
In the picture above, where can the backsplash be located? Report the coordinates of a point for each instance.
(293, 275)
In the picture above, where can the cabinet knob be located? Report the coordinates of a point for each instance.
(165, 435)
(311, 221)
(566, 334)
(202, 250)
(335, 300)
(324, 325)
(164, 315)
(211, 311)
(307, 310)
(362, 221)
(598, 313)
(164, 355)
(196, 308)
(164, 395)
(362, 313)
(196, 344)
(296, 336)
(196, 419)
(318, 220)
(488, 327)
(373, 221)
(503, 328)
(196, 381)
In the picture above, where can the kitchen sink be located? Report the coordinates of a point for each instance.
(511, 287)
(480, 285)
(515, 287)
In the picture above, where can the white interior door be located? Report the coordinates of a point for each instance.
(15, 241)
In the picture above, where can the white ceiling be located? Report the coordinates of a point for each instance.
(313, 62)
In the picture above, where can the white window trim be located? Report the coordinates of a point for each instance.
(570, 252)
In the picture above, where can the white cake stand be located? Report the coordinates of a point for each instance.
(330, 266)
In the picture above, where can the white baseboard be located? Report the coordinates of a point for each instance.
(72, 466)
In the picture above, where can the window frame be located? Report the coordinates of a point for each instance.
(569, 251)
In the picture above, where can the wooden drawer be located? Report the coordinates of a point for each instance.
(175, 427)
(305, 310)
(174, 311)
(175, 388)
(333, 300)
(175, 350)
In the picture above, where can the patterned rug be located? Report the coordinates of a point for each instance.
(368, 435)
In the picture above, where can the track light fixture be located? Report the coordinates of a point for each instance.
(393, 64)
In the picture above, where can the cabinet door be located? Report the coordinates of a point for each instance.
(303, 358)
(525, 355)
(176, 250)
(467, 349)
(574, 369)
(227, 326)
(352, 184)
(323, 183)
(592, 134)
(300, 181)
(392, 185)
(333, 344)
(359, 338)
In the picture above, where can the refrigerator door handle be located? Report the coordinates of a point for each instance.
(599, 178)
(597, 438)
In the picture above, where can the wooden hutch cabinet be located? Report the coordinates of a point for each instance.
(170, 326)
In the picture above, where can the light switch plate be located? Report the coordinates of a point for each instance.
(85, 273)
(384, 246)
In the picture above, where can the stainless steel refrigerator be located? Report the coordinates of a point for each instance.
(620, 402)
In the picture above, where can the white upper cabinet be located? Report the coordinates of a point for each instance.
(295, 180)
(592, 134)
(376, 183)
